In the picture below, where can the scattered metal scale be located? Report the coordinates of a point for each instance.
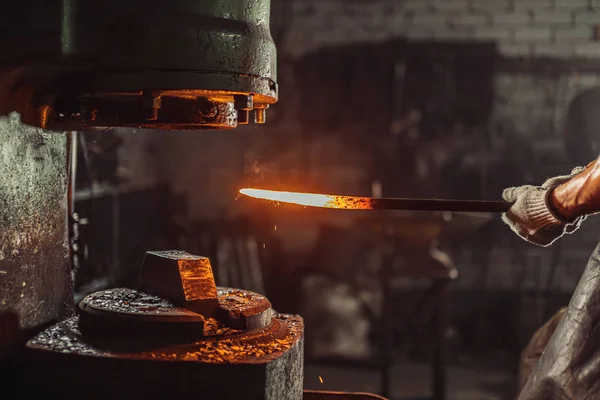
(136, 345)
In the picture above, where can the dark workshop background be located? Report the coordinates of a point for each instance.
(415, 98)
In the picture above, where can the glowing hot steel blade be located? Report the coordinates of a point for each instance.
(371, 203)
(311, 199)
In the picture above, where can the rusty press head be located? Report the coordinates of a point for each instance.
(138, 63)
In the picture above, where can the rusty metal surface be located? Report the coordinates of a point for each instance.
(126, 319)
(223, 36)
(242, 309)
(235, 303)
(220, 36)
(233, 347)
(35, 276)
(180, 110)
(264, 364)
(112, 63)
(136, 304)
(183, 278)
(148, 321)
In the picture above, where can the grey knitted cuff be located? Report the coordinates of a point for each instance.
(549, 225)
(541, 214)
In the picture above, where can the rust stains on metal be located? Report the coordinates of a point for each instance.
(238, 310)
(133, 302)
(242, 309)
(245, 348)
(35, 281)
(129, 320)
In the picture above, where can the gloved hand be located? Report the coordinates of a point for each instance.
(531, 218)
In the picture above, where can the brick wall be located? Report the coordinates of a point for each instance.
(535, 105)
(555, 28)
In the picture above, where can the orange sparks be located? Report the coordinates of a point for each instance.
(321, 379)
(311, 199)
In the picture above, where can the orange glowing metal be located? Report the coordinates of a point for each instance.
(311, 199)
(376, 203)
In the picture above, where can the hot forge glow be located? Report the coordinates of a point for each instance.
(311, 199)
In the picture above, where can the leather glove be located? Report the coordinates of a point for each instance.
(580, 195)
(532, 218)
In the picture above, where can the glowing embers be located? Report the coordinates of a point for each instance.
(311, 199)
